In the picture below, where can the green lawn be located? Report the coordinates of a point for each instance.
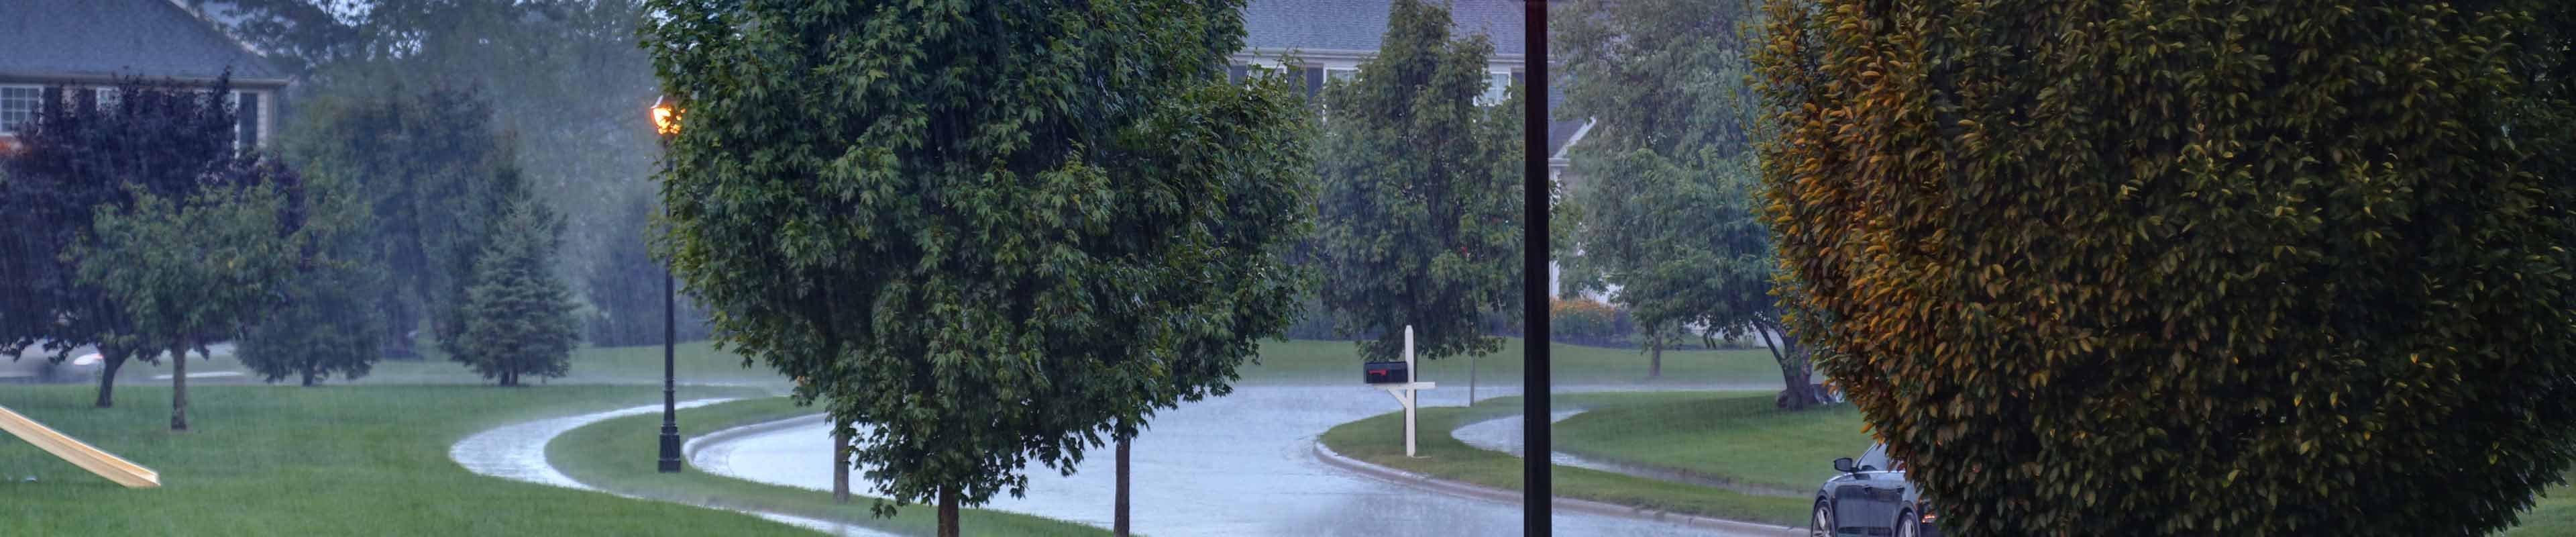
(1737, 437)
(1741, 439)
(578, 454)
(1337, 362)
(1379, 440)
(320, 461)
(1303, 362)
(2553, 514)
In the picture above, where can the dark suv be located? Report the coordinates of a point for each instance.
(1871, 497)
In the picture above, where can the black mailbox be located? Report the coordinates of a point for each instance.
(1389, 373)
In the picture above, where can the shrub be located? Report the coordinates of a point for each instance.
(2186, 268)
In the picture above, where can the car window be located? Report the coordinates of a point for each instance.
(1875, 458)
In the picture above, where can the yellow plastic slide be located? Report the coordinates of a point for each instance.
(113, 468)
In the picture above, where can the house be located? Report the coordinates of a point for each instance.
(53, 50)
(1330, 38)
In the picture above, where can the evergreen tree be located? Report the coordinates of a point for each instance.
(435, 173)
(329, 323)
(518, 315)
(1421, 198)
(624, 290)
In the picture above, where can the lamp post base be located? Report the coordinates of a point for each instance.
(670, 449)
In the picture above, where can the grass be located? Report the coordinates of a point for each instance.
(1740, 439)
(1745, 440)
(1379, 440)
(1337, 362)
(1295, 362)
(369, 457)
(319, 461)
(574, 453)
(2554, 513)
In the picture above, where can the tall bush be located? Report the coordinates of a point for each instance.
(2170, 267)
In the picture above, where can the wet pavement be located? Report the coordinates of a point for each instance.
(1244, 464)
(518, 452)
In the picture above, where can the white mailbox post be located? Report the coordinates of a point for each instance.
(1404, 393)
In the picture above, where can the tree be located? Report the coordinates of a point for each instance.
(989, 232)
(2143, 271)
(1420, 220)
(625, 289)
(185, 270)
(1669, 199)
(518, 315)
(74, 162)
(328, 322)
(436, 174)
(564, 76)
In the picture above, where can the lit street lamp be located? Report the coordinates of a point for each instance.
(666, 123)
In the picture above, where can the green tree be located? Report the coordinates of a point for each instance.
(328, 322)
(184, 270)
(1420, 219)
(625, 292)
(989, 232)
(1669, 195)
(518, 315)
(74, 162)
(436, 173)
(564, 76)
(2188, 268)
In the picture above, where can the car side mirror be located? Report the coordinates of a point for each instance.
(1845, 465)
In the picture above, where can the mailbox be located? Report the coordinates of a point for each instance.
(1389, 373)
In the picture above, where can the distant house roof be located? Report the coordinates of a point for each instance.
(58, 39)
(1358, 25)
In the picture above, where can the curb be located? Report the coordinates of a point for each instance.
(689, 448)
(1412, 479)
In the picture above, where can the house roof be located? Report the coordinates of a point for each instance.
(1357, 25)
(107, 38)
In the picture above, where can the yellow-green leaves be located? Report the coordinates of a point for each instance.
(2185, 267)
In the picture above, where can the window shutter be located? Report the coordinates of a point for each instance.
(53, 100)
(1314, 80)
(1235, 73)
(248, 114)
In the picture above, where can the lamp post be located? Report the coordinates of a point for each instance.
(666, 123)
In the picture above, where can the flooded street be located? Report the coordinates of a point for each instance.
(1243, 464)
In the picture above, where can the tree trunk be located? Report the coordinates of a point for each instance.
(111, 360)
(1655, 364)
(1118, 524)
(1471, 379)
(840, 465)
(308, 376)
(1798, 388)
(179, 387)
(1798, 393)
(948, 513)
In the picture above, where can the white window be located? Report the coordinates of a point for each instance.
(18, 106)
(1497, 87)
(1338, 74)
(244, 110)
(108, 98)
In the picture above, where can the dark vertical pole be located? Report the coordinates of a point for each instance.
(1537, 493)
(670, 344)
